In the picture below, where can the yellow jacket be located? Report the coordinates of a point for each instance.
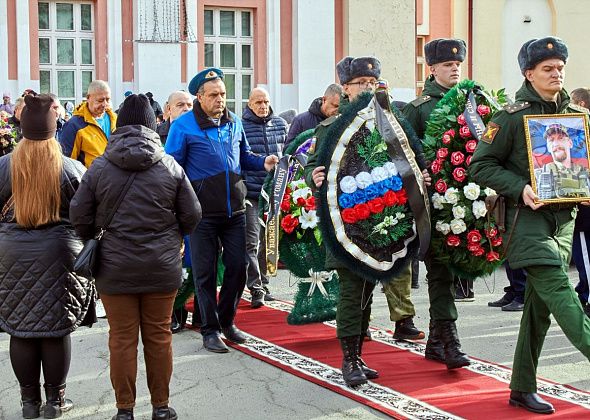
(82, 138)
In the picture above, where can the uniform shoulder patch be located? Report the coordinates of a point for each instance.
(578, 108)
(421, 100)
(519, 106)
(329, 121)
(490, 133)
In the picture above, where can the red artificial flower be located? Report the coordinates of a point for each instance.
(479, 251)
(301, 201)
(436, 166)
(453, 240)
(286, 206)
(491, 232)
(459, 174)
(287, 197)
(390, 198)
(289, 223)
(442, 153)
(288, 191)
(349, 216)
(473, 236)
(470, 146)
(472, 247)
(457, 158)
(483, 110)
(468, 160)
(465, 132)
(376, 205)
(446, 139)
(497, 241)
(461, 120)
(441, 186)
(493, 256)
(362, 210)
(310, 203)
(451, 133)
(402, 197)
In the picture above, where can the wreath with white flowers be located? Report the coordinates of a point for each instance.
(462, 237)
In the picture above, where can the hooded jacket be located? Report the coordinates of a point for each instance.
(306, 120)
(39, 294)
(213, 156)
(81, 138)
(266, 136)
(140, 250)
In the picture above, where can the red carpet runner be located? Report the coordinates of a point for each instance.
(409, 387)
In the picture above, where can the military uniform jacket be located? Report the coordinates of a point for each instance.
(418, 111)
(501, 163)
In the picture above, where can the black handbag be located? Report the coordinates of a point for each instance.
(85, 263)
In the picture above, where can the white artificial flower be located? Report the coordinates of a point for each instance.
(379, 174)
(304, 193)
(399, 215)
(471, 191)
(300, 183)
(479, 209)
(363, 180)
(390, 168)
(459, 212)
(308, 219)
(443, 227)
(489, 191)
(438, 201)
(348, 184)
(458, 226)
(452, 196)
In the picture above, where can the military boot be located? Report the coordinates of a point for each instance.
(454, 357)
(434, 347)
(56, 403)
(351, 367)
(369, 373)
(30, 397)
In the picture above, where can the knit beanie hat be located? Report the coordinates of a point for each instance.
(37, 120)
(136, 110)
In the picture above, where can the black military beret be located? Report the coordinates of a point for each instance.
(350, 68)
(445, 49)
(536, 50)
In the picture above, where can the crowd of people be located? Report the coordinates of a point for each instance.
(186, 180)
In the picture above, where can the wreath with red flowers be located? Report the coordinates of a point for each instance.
(462, 237)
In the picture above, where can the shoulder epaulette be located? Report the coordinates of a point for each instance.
(421, 100)
(578, 108)
(329, 121)
(511, 109)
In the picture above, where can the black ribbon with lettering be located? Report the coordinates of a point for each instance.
(472, 117)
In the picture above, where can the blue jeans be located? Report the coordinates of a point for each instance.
(517, 279)
(582, 261)
(231, 232)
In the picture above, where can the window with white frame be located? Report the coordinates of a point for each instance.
(66, 48)
(229, 45)
(420, 65)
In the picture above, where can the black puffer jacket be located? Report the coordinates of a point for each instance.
(140, 250)
(39, 295)
(306, 120)
(266, 136)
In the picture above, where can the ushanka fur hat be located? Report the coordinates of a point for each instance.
(350, 68)
(445, 49)
(536, 50)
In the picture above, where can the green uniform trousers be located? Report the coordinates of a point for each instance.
(397, 293)
(441, 290)
(548, 291)
(354, 306)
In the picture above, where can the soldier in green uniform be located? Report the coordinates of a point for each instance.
(444, 56)
(542, 234)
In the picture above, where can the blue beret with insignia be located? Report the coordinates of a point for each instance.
(203, 77)
(536, 50)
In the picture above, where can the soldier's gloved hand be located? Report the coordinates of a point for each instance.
(531, 199)
(427, 178)
(318, 175)
(270, 162)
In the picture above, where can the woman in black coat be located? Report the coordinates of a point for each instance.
(139, 266)
(41, 300)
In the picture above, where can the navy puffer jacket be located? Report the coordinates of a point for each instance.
(266, 136)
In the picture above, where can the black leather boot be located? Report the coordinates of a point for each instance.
(434, 347)
(369, 373)
(415, 273)
(351, 367)
(164, 413)
(30, 397)
(56, 403)
(454, 357)
(123, 414)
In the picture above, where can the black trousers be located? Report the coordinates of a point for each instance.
(29, 355)
(231, 232)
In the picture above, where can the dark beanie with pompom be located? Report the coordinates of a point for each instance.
(136, 110)
(37, 120)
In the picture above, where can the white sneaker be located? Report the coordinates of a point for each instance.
(100, 312)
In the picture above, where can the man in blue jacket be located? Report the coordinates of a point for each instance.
(209, 143)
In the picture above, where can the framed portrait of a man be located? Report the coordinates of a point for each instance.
(558, 156)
